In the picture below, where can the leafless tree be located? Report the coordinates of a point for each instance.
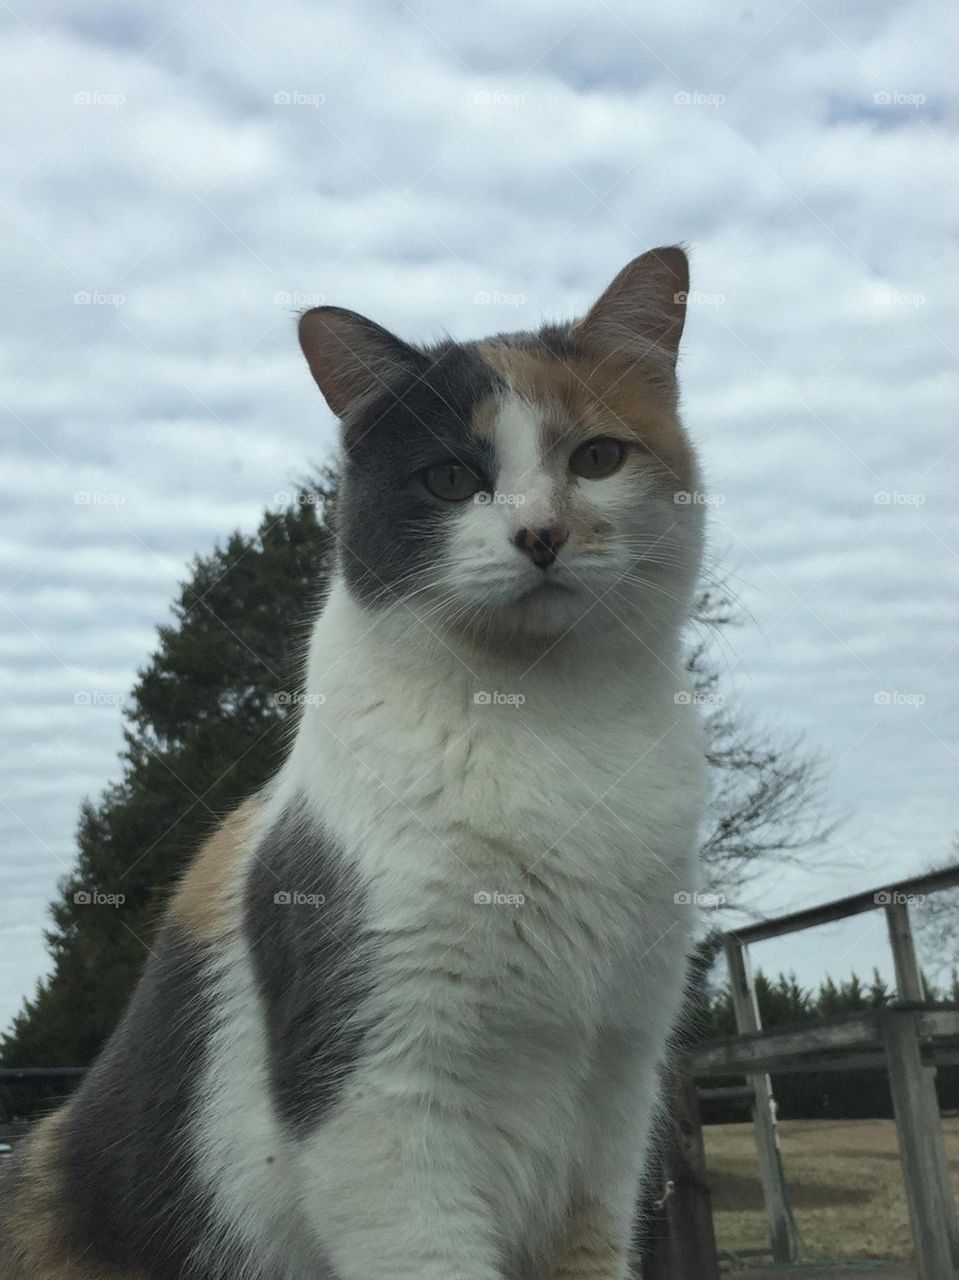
(767, 805)
(936, 922)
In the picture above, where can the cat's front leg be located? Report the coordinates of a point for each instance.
(590, 1247)
(390, 1189)
(595, 1240)
(416, 1241)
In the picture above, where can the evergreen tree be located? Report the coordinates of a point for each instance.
(879, 992)
(208, 723)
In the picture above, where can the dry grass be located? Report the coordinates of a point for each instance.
(844, 1179)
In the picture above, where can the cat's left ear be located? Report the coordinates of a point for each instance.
(643, 311)
(352, 359)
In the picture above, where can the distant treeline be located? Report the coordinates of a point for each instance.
(810, 1095)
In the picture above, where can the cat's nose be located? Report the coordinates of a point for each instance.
(541, 545)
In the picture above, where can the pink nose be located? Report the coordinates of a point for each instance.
(541, 545)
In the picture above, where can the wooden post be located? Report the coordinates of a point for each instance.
(683, 1247)
(907, 1079)
(908, 975)
(909, 991)
(764, 1116)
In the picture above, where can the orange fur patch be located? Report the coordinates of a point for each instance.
(204, 902)
(483, 422)
(602, 395)
(33, 1246)
(587, 1250)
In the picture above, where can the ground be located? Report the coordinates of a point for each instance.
(844, 1178)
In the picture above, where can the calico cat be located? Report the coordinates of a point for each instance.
(403, 1017)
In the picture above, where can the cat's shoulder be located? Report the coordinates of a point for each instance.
(201, 904)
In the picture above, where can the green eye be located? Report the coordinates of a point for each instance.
(451, 481)
(597, 459)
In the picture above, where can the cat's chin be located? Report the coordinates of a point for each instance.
(547, 588)
(542, 612)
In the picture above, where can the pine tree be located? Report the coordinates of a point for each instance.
(207, 724)
(879, 993)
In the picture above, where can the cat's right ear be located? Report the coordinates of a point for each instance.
(352, 359)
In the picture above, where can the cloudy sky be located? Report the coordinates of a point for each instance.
(179, 179)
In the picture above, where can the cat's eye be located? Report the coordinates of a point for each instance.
(451, 481)
(597, 459)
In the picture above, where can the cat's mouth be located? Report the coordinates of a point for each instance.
(546, 586)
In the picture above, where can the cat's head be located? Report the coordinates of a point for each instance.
(525, 483)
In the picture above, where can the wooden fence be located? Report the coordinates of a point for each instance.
(909, 1038)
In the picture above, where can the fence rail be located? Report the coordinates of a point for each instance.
(897, 893)
(40, 1073)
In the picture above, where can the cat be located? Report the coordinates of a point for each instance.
(404, 1014)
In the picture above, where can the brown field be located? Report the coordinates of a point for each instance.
(843, 1176)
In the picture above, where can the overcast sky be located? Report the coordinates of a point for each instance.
(179, 179)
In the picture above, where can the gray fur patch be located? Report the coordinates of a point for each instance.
(304, 920)
(132, 1201)
(389, 524)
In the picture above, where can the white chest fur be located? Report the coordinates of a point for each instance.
(485, 780)
(526, 836)
(484, 796)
